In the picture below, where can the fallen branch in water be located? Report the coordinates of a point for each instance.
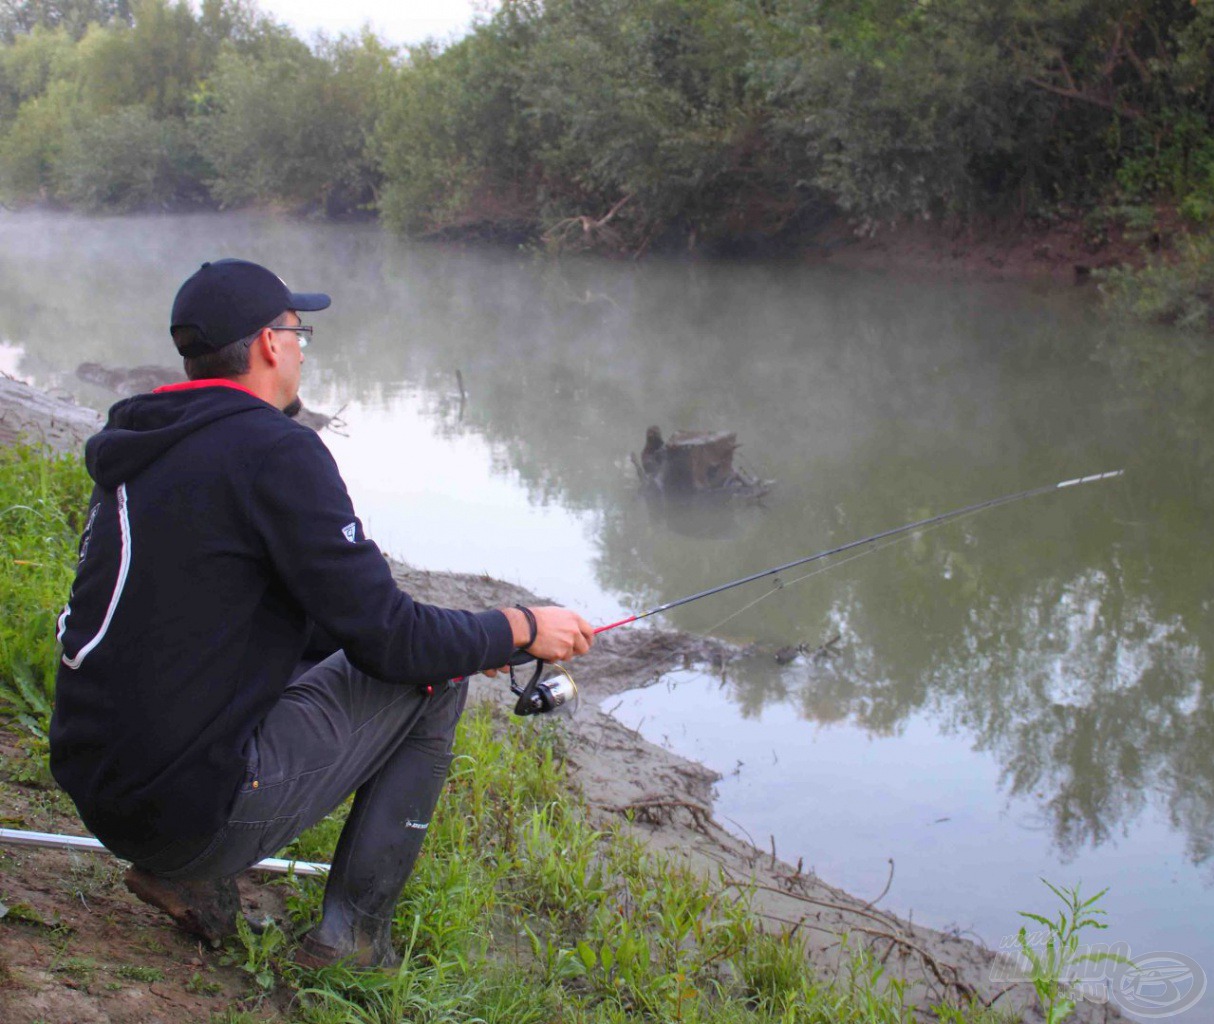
(558, 234)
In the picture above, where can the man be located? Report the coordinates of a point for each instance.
(218, 534)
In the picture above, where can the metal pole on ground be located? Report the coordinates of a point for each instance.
(54, 841)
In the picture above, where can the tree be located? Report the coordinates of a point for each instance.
(294, 128)
(20, 17)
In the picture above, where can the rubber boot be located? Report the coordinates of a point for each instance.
(205, 907)
(375, 855)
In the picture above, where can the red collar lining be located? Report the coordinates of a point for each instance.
(209, 382)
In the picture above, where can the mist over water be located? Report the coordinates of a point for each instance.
(1024, 693)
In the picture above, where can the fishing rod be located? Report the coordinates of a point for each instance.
(537, 697)
(918, 524)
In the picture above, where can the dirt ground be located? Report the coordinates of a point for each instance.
(77, 948)
(1066, 252)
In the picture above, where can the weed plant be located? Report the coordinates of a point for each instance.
(1053, 964)
(43, 500)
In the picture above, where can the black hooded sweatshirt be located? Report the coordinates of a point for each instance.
(218, 532)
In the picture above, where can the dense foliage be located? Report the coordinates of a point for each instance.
(621, 122)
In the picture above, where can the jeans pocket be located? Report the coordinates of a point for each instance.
(240, 845)
(251, 779)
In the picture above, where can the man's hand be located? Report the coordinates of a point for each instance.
(559, 634)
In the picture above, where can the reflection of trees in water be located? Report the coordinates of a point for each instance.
(1077, 648)
(1067, 637)
(1092, 706)
(1085, 704)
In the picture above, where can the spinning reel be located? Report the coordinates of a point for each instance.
(539, 697)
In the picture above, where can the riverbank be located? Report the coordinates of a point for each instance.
(624, 782)
(1064, 251)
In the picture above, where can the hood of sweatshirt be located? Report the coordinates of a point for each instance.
(141, 429)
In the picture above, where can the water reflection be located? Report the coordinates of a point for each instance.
(1069, 637)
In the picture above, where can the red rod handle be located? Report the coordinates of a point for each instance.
(612, 625)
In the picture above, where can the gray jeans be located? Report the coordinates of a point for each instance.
(331, 731)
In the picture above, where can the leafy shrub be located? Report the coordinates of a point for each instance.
(292, 128)
(453, 142)
(128, 160)
(31, 147)
(1177, 290)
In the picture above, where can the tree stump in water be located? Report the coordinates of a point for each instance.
(693, 463)
(697, 462)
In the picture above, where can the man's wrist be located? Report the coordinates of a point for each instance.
(533, 627)
(520, 628)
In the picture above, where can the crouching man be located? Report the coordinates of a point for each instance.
(219, 535)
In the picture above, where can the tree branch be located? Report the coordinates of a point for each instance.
(1086, 97)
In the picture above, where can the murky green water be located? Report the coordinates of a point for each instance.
(1024, 693)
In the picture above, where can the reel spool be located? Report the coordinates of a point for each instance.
(541, 697)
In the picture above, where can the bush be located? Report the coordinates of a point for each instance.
(453, 144)
(128, 161)
(31, 147)
(1176, 291)
(293, 128)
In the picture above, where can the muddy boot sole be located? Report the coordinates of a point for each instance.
(314, 956)
(207, 908)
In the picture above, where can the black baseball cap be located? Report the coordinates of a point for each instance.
(229, 299)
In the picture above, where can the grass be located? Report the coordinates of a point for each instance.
(43, 500)
(520, 909)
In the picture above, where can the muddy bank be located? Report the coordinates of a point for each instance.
(1065, 252)
(624, 778)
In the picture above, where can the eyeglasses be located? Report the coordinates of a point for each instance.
(302, 331)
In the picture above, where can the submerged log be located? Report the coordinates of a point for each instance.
(138, 379)
(33, 416)
(128, 381)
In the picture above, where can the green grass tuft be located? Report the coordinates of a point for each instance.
(43, 501)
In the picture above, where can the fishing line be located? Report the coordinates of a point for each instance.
(830, 566)
(921, 524)
(538, 697)
(800, 579)
(890, 537)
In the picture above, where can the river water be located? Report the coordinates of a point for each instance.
(1024, 694)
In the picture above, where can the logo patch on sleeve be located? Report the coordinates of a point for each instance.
(349, 532)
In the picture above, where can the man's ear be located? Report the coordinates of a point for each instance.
(267, 347)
